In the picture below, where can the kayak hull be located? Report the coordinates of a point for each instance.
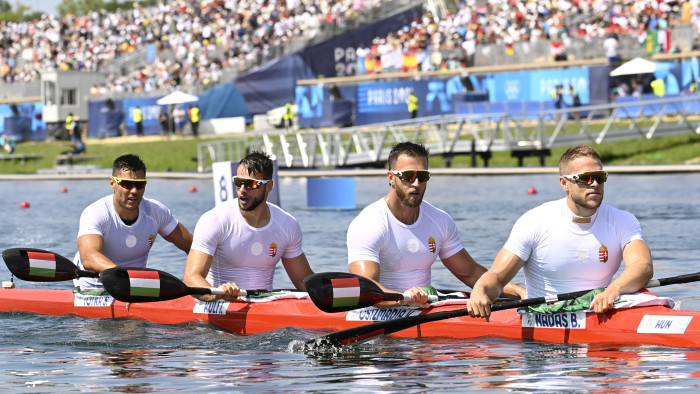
(652, 325)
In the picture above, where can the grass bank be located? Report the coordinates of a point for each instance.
(180, 154)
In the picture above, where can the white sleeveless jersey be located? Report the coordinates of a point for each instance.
(243, 254)
(561, 256)
(405, 253)
(126, 246)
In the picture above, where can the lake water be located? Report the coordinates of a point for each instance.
(56, 354)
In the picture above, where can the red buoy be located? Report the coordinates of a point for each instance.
(193, 189)
(64, 190)
(24, 204)
(532, 190)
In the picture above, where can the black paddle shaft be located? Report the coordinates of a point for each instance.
(22, 262)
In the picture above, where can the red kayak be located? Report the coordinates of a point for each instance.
(632, 326)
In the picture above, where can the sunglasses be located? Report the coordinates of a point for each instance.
(249, 183)
(129, 184)
(586, 178)
(412, 175)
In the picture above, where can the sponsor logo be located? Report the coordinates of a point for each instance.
(567, 320)
(663, 324)
(217, 307)
(432, 245)
(92, 300)
(273, 249)
(603, 254)
(374, 314)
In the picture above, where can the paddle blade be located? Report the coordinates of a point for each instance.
(142, 284)
(342, 291)
(37, 265)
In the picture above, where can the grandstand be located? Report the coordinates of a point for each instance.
(244, 58)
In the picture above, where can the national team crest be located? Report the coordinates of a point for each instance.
(273, 249)
(432, 245)
(603, 254)
(151, 239)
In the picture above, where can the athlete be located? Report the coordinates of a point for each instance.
(120, 229)
(395, 240)
(571, 244)
(238, 243)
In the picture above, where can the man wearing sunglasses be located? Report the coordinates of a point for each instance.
(395, 240)
(571, 244)
(120, 229)
(238, 243)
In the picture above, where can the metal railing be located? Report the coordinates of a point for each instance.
(451, 135)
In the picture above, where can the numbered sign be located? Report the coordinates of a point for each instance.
(223, 172)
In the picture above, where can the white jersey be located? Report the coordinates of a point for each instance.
(126, 246)
(243, 254)
(562, 256)
(404, 252)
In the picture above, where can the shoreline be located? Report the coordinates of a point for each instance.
(300, 173)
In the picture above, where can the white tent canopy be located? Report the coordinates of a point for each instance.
(177, 97)
(634, 67)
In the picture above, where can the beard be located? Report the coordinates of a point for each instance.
(405, 199)
(582, 201)
(252, 203)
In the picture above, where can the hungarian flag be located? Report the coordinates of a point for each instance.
(42, 264)
(144, 283)
(346, 291)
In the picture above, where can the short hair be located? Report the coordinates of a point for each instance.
(128, 162)
(574, 153)
(258, 162)
(409, 149)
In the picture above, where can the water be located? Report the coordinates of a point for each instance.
(57, 354)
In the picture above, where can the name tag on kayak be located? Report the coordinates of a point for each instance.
(92, 300)
(217, 307)
(663, 324)
(566, 320)
(373, 314)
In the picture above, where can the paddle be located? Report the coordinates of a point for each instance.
(150, 285)
(37, 265)
(370, 331)
(342, 291)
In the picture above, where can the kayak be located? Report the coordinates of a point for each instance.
(652, 323)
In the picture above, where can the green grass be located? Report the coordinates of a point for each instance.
(180, 155)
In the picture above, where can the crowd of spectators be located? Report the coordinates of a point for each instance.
(452, 42)
(196, 41)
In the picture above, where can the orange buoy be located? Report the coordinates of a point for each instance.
(64, 190)
(532, 190)
(24, 204)
(193, 189)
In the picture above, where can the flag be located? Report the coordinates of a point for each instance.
(144, 283)
(509, 50)
(42, 264)
(603, 254)
(346, 291)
